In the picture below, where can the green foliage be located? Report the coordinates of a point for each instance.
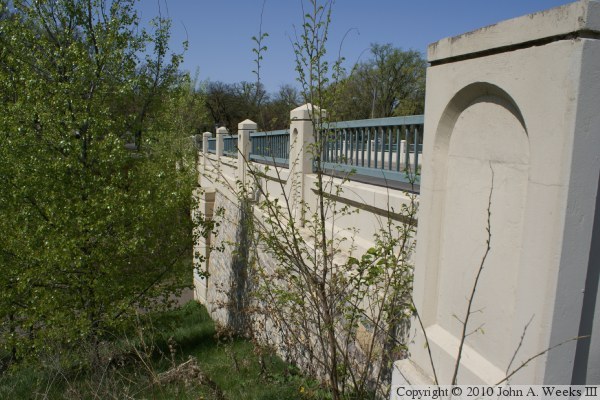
(96, 172)
(228, 104)
(137, 368)
(391, 83)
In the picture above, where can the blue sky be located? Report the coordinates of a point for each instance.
(219, 31)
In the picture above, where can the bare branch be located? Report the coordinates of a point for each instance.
(476, 282)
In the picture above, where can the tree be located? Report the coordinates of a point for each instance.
(391, 83)
(92, 230)
(276, 112)
(230, 103)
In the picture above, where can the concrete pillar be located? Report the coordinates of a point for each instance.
(221, 132)
(245, 128)
(512, 137)
(302, 139)
(205, 198)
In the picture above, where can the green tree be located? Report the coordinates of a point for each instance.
(92, 230)
(230, 103)
(276, 113)
(391, 83)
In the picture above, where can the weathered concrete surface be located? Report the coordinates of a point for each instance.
(205, 200)
(581, 16)
(513, 145)
(226, 288)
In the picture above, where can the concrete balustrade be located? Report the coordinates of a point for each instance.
(205, 199)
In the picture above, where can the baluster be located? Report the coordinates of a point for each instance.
(329, 144)
(355, 156)
(335, 146)
(362, 147)
(369, 147)
(280, 146)
(341, 146)
(382, 129)
(376, 145)
(340, 154)
(339, 143)
(325, 144)
(416, 149)
(349, 160)
(346, 146)
(407, 150)
(398, 148)
(389, 166)
(383, 146)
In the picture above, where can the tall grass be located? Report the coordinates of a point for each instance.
(179, 354)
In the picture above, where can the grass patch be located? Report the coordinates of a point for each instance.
(176, 355)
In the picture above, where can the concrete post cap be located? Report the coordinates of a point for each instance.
(247, 125)
(304, 112)
(578, 18)
(207, 134)
(222, 130)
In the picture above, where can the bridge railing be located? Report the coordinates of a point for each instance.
(212, 145)
(387, 148)
(270, 147)
(230, 146)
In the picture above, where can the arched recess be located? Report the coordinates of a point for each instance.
(479, 173)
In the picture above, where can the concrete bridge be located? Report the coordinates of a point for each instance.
(508, 187)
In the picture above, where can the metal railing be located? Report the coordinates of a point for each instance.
(381, 147)
(212, 145)
(388, 149)
(230, 146)
(270, 147)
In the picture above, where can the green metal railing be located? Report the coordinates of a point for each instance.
(387, 148)
(270, 147)
(230, 146)
(212, 145)
(383, 148)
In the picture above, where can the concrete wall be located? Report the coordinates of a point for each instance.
(512, 142)
(223, 292)
(367, 208)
